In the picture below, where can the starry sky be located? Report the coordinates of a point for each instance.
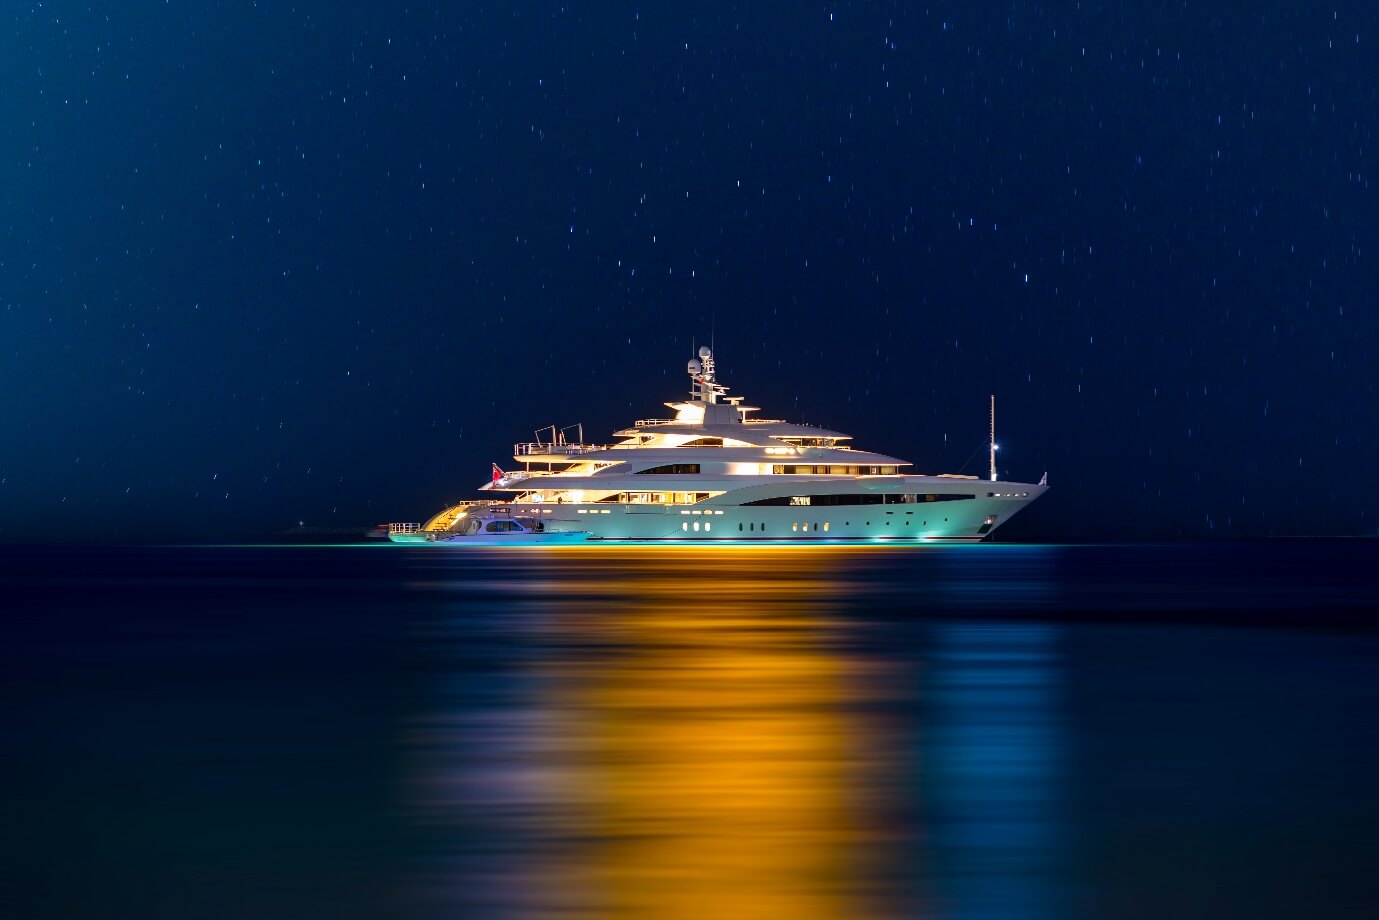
(272, 262)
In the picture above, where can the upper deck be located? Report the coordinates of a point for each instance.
(709, 421)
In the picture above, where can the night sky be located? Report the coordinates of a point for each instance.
(324, 261)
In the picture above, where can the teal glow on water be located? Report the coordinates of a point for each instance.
(965, 732)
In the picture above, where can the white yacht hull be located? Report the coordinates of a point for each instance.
(965, 521)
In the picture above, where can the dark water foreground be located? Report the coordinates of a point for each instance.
(966, 732)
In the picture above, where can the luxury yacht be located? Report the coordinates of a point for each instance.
(714, 473)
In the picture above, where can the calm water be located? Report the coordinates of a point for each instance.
(966, 732)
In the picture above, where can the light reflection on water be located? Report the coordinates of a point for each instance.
(956, 732)
(994, 768)
(690, 733)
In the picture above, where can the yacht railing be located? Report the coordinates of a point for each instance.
(653, 422)
(404, 528)
(537, 448)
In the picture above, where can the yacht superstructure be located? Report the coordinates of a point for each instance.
(715, 473)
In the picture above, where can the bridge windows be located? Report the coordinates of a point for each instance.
(672, 469)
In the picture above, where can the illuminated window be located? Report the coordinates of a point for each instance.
(684, 525)
(825, 526)
(696, 525)
(708, 525)
(794, 526)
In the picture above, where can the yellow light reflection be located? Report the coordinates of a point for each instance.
(697, 735)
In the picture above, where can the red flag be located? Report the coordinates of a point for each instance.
(497, 473)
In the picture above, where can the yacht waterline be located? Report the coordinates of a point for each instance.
(715, 474)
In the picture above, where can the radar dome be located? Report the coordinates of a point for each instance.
(704, 352)
(694, 366)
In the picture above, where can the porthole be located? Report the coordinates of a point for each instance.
(816, 526)
(696, 525)
(684, 525)
(795, 527)
(739, 528)
(825, 526)
(752, 526)
(708, 526)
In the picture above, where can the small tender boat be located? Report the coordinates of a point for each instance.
(487, 526)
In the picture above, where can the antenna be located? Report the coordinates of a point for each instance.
(992, 441)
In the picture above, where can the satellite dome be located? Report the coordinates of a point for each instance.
(704, 352)
(694, 366)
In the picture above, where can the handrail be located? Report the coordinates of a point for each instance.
(530, 448)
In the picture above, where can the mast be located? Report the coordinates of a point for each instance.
(992, 440)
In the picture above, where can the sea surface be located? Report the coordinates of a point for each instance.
(996, 731)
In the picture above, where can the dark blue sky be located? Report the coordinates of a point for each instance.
(323, 261)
